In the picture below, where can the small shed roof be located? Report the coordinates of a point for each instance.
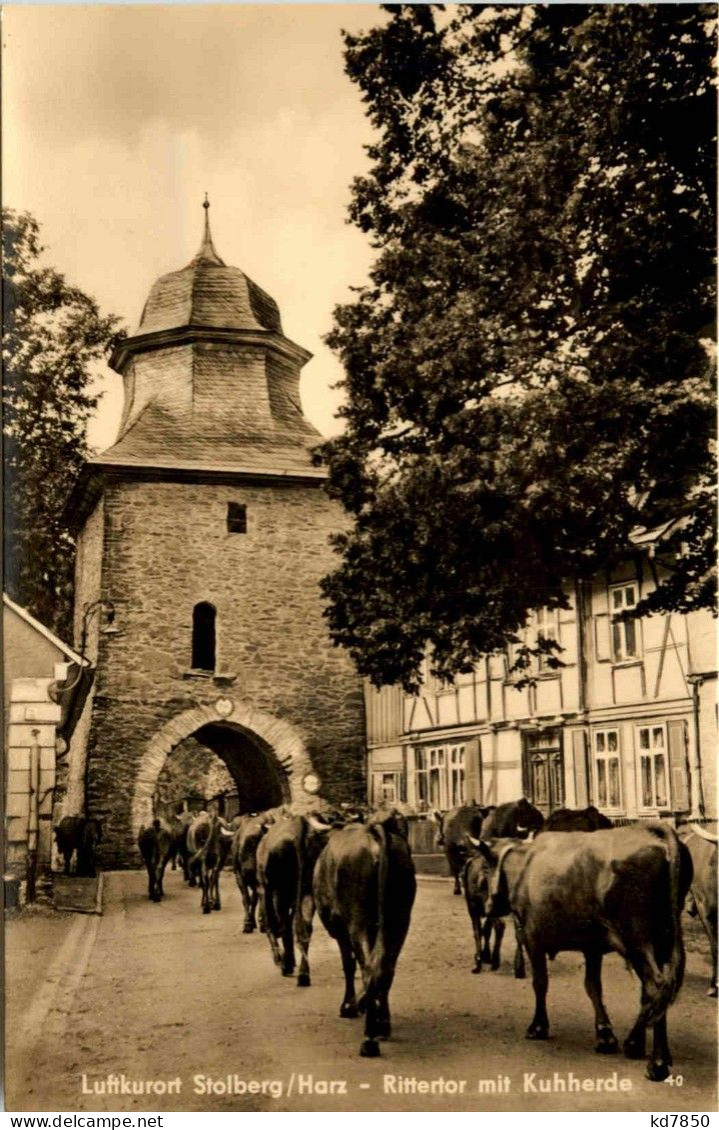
(72, 655)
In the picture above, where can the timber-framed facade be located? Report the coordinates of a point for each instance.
(628, 722)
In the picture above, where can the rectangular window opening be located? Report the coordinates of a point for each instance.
(236, 518)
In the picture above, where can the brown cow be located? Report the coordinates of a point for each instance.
(78, 836)
(364, 887)
(155, 845)
(208, 839)
(519, 819)
(455, 826)
(178, 830)
(618, 889)
(576, 820)
(703, 850)
(243, 853)
(286, 857)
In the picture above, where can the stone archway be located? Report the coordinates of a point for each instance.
(285, 742)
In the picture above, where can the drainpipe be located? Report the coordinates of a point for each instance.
(695, 765)
(33, 822)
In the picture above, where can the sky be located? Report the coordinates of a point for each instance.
(117, 120)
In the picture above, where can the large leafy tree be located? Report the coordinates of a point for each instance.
(527, 373)
(53, 333)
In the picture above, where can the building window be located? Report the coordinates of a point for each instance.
(607, 769)
(545, 627)
(203, 636)
(622, 598)
(439, 776)
(653, 767)
(236, 518)
(388, 787)
(543, 624)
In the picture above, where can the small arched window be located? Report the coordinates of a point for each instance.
(203, 636)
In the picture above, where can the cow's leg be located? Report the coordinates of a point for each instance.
(303, 929)
(635, 1045)
(348, 1008)
(455, 865)
(486, 955)
(606, 1040)
(520, 971)
(288, 944)
(478, 931)
(498, 935)
(709, 922)
(261, 921)
(661, 1060)
(252, 902)
(67, 857)
(249, 923)
(377, 1022)
(215, 885)
(363, 952)
(205, 884)
(272, 925)
(539, 1028)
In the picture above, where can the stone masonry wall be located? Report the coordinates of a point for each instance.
(166, 549)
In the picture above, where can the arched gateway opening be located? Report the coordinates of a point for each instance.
(265, 756)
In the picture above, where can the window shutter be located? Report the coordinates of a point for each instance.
(472, 778)
(581, 776)
(679, 776)
(602, 643)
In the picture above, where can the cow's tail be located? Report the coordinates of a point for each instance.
(378, 950)
(662, 985)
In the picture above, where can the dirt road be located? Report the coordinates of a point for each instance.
(194, 1012)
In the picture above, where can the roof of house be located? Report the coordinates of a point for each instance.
(43, 631)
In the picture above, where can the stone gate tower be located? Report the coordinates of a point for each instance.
(202, 536)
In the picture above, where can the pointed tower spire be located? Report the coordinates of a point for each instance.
(207, 250)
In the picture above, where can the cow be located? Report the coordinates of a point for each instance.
(517, 818)
(155, 845)
(178, 830)
(364, 887)
(286, 857)
(618, 889)
(576, 820)
(243, 853)
(475, 879)
(78, 835)
(209, 840)
(702, 847)
(454, 827)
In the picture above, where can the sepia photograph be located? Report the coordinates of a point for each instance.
(359, 558)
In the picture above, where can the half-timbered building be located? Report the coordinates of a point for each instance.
(627, 722)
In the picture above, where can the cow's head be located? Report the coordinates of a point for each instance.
(494, 880)
(393, 822)
(528, 819)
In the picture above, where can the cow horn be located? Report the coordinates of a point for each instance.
(521, 829)
(227, 833)
(318, 825)
(473, 842)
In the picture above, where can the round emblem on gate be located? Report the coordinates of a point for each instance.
(311, 783)
(224, 707)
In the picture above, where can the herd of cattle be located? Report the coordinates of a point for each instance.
(572, 882)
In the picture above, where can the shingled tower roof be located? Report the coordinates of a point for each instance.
(211, 381)
(208, 293)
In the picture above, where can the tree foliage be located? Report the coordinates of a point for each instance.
(52, 335)
(527, 372)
